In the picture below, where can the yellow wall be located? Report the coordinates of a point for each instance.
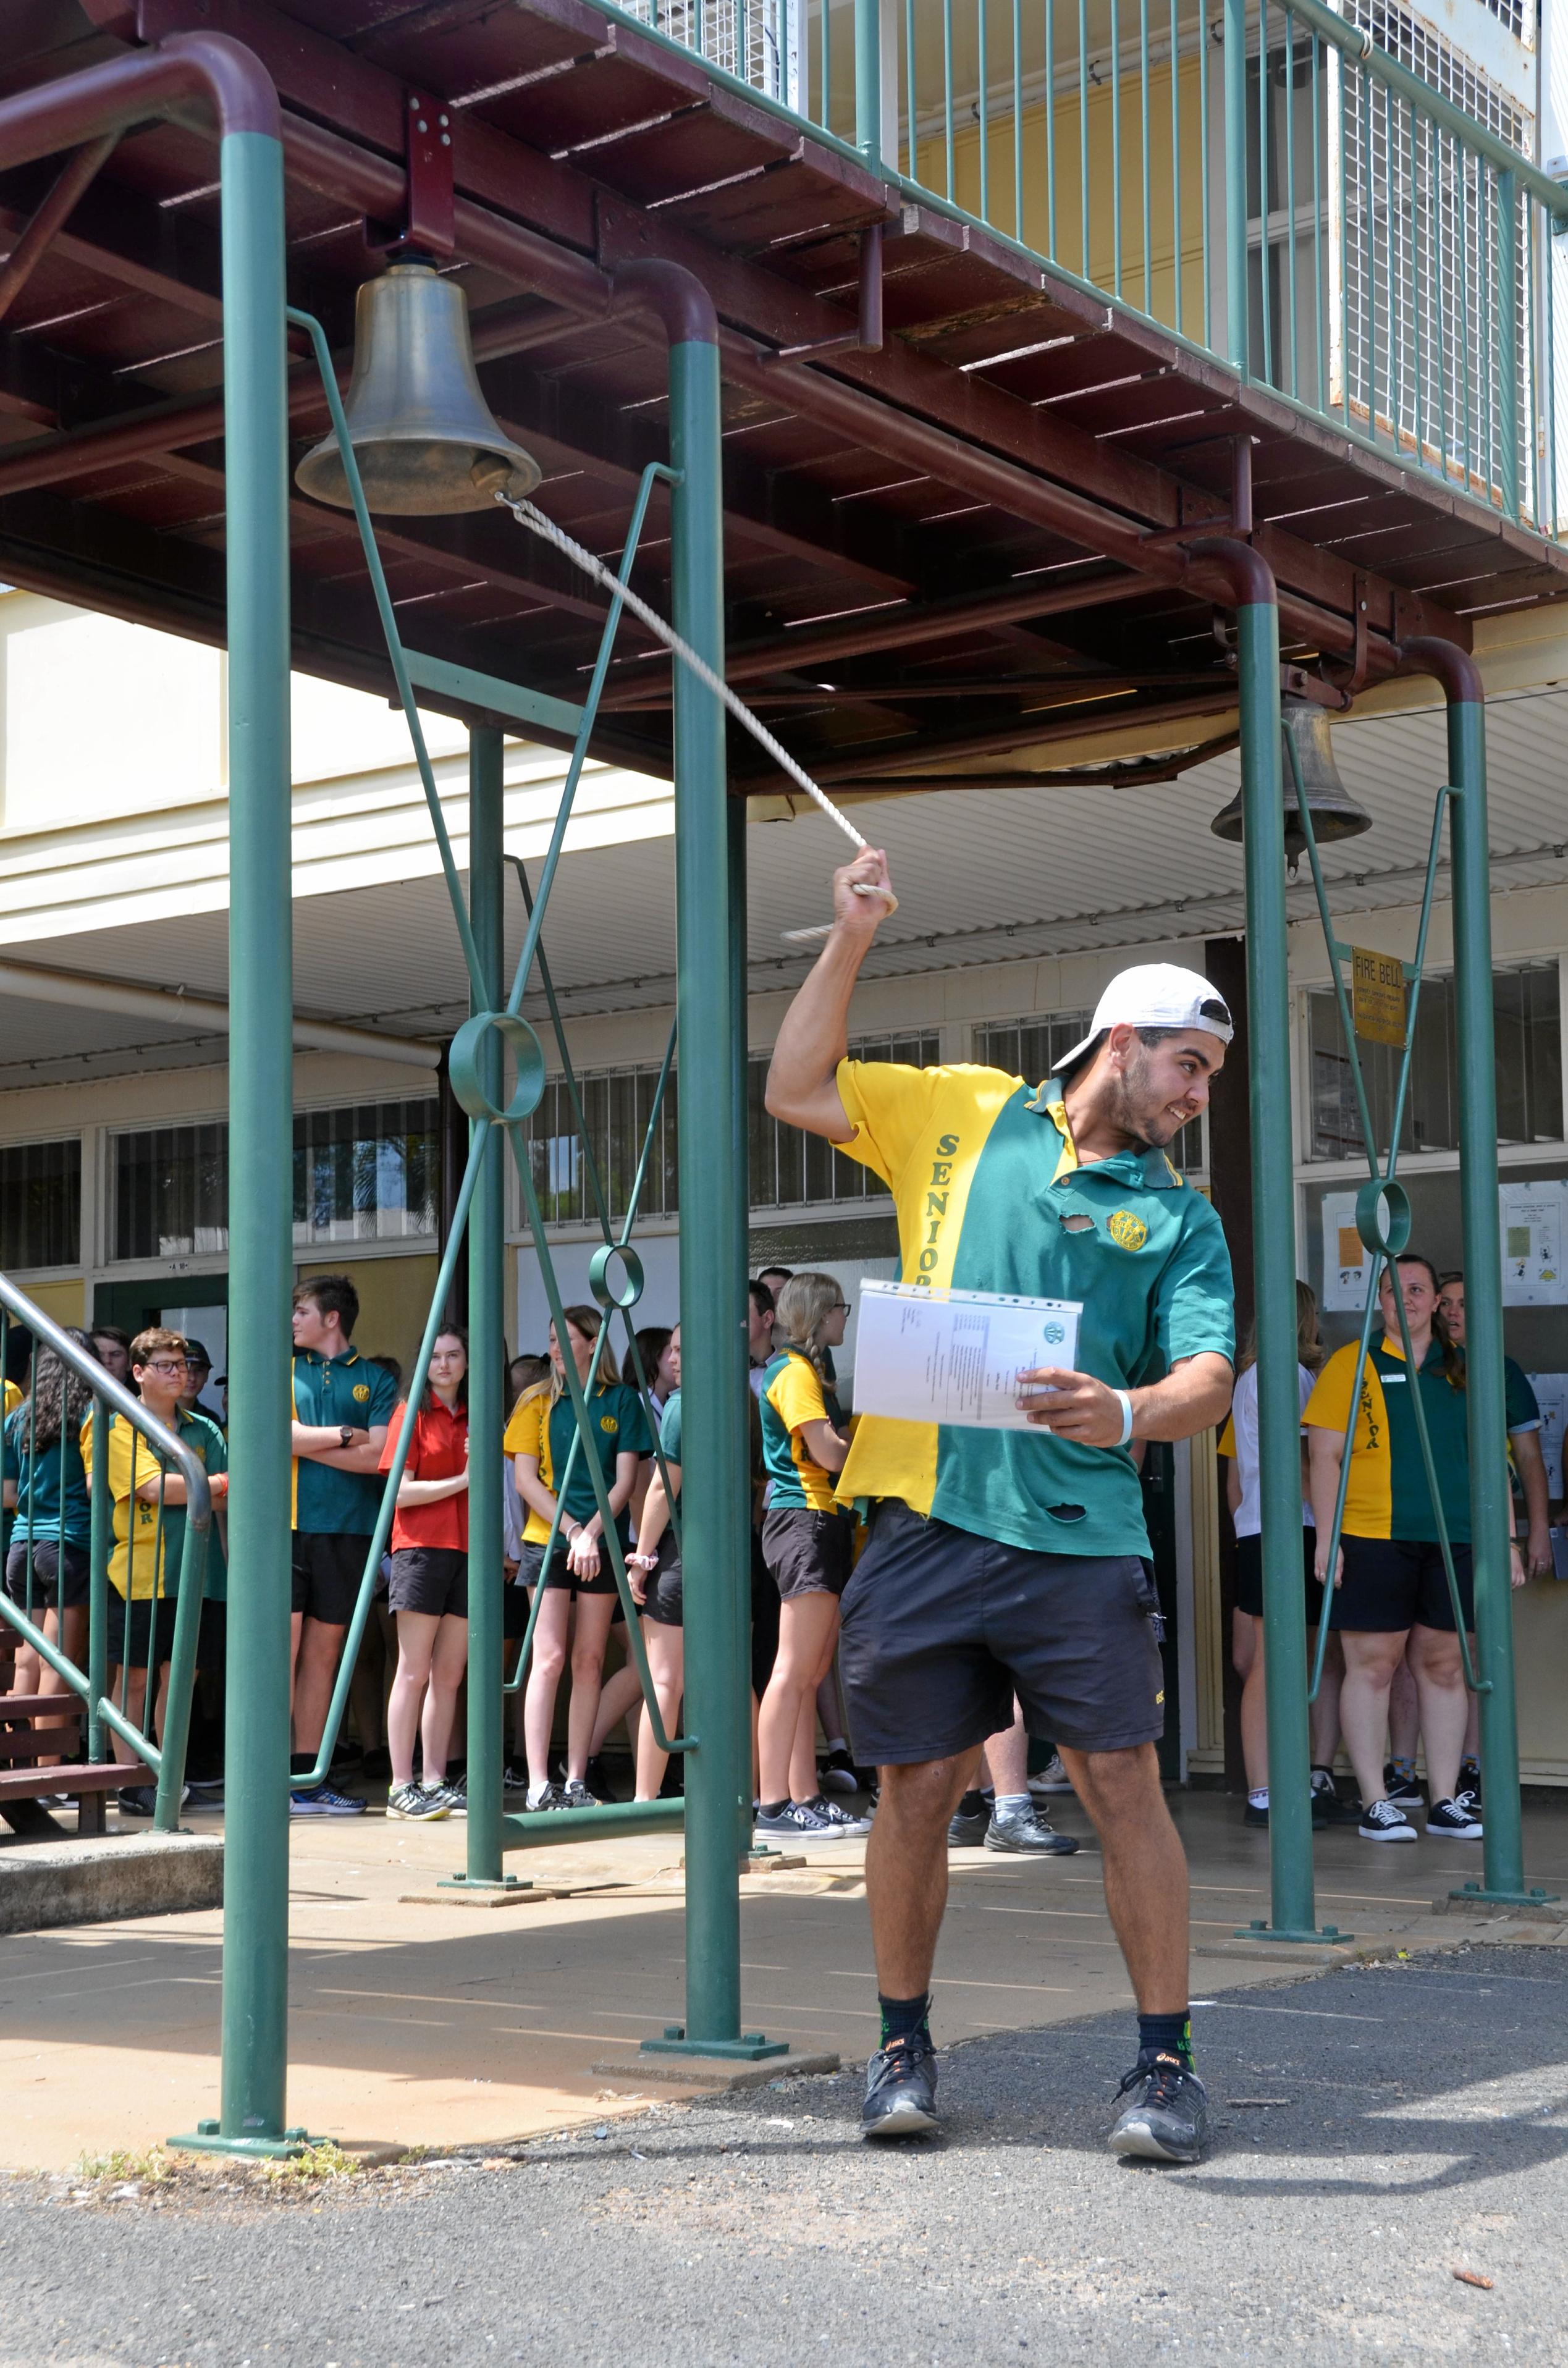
(66, 1302)
(394, 1300)
(1100, 264)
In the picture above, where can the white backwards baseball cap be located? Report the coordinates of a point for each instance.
(1156, 995)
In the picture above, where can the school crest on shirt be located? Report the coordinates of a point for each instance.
(608, 1422)
(1128, 1232)
(362, 1393)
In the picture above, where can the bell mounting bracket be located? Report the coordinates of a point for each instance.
(428, 228)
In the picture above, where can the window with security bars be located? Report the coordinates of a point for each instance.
(367, 1173)
(41, 1204)
(1414, 281)
(1031, 1048)
(1527, 1028)
(566, 1163)
(790, 1170)
(757, 39)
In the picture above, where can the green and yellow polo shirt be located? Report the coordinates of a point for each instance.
(618, 1426)
(1386, 1494)
(991, 1195)
(335, 1390)
(793, 1393)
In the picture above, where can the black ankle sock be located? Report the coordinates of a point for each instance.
(301, 1762)
(971, 1805)
(905, 2018)
(1164, 2034)
(774, 1808)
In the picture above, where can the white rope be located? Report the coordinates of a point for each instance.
(546, 529)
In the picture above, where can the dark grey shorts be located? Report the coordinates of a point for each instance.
(941, 1629)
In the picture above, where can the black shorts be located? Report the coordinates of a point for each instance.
(212, 1637)
(131, 1643)
(433, 1579)
(807, 1553)
(665, 1600)
(1249, 1576)
(942, 1628)
(45, 1575)
(531, 1572)
(514, 1612)
(1391, 1583)
(328, 1567)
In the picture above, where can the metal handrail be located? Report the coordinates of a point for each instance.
(167, 1761)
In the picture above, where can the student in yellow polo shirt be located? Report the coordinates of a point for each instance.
(149, 1537)
(1005, 1561)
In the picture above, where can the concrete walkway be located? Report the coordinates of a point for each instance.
(1383, 2135)
(416, 2019)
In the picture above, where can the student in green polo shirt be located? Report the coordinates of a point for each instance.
(343, 1405)
(1005, 1561)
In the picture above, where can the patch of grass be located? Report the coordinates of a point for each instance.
(326, 2160)
(151, 2169)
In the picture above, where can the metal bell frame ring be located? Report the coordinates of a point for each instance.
(463, 1067)
(1383, 1217)
(633, 1276)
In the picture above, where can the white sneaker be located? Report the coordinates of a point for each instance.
(840, 1824)
(1053, 1778)
(1381, 1822)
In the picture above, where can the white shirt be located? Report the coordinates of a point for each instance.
(1243, 1417)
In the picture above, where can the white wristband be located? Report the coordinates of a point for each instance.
(1126, 1397)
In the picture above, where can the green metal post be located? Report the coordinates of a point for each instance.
(1273, 1246)
(256, 1922)
(868, 80)
(102, 1545)
(486, 1342)
(741, 1445)
(712, 1202)
(1490, 1501)
(1235, 182)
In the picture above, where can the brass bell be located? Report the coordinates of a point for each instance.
(420, 426)
(1334, 812)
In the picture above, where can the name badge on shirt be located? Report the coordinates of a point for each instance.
(1387, 1378)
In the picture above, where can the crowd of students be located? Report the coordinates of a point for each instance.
(1392, 1681)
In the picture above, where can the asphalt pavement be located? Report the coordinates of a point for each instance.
(1377, 2131)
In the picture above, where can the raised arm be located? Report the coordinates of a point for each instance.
(803, 1083)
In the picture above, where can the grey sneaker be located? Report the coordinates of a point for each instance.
(1027, 1835)
(901, 2092)
(839, 1822)
(1053, 1778)
(1165, 2118)
(574, 1794)
(970, 1822)
(795, 1822)
(453, 1790)
(414, 1804)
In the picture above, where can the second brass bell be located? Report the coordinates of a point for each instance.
(422, 432)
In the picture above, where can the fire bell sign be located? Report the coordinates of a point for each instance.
(1378, 996)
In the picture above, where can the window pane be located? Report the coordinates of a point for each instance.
(41, 1204)
(1527, 1030)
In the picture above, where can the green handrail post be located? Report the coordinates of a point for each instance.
(713, 1192)
(100, 1547)
(175, 1736)
(1490, 1501)
(1235, 181)
(255, 1923)
(868, 80)
(486, 1412)
(1274, 1242)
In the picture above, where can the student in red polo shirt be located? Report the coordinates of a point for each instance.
(427, 1590)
